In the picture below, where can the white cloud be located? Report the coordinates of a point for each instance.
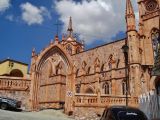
(32, 14)
(93, 19)
(4, 5)
(10, 17)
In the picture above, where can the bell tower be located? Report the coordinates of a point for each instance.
(149, 20)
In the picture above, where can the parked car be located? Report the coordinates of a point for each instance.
(8, 103)
(123, 113)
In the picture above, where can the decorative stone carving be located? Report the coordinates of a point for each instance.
(97, 65)
(55, 60)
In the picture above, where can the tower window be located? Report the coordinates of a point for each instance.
(78, 50)
(69, 49)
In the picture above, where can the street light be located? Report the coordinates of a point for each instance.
(125, 50)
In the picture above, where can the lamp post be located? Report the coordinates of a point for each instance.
(125, 50)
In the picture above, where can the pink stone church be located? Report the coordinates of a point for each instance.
(65, 75)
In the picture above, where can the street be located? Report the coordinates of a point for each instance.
(42, 115)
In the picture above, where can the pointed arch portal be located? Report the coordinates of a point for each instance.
(52, 79)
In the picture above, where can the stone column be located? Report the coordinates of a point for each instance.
(70, 91)
(98, 88)
(113, 83)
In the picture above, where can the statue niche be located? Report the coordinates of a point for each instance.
(56, 65)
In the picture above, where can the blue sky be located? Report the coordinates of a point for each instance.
(25, 24)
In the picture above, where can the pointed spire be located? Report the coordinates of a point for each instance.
(33, 52)
(129, 7)
(63, 37)
(51, 42)
(70, 30)
(56, 39)
(130, 16)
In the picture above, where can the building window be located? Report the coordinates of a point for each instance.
(69, 49)
(78, 88)
(106, 88)
(155, 41)
(78, 50)
(88, 72)
(123, 87)
(89, 91)
(11, 64)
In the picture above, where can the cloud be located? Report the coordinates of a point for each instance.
(4, 5)
(93, 19)
(10, 17)
(32, 14)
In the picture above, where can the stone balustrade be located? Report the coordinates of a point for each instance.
(86, 100)
(92, 100)
(14, 83)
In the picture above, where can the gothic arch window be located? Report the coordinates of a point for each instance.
(78, 50)
(69, 49)
(106, 88)
(78, 88)
(123, 87)
(77, 72)
(110, 61)
(88, 71)
(155, 41)
(89, 91)
(102, 68)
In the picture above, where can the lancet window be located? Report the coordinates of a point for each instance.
(107, 88)
(155, 41)
(69, 49)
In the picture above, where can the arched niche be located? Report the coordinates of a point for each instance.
(16, 73)
(89, 91)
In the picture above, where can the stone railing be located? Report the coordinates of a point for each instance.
(86, 100)
(14, 83)
(118, 100)
(93, 100)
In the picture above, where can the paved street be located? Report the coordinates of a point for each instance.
(42, 115)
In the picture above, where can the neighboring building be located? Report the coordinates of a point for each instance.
(64, 75)
(13, 68)
(15, 81)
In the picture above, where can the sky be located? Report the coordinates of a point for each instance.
(28, 24)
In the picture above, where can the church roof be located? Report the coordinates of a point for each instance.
(102, 45)
(15, 61)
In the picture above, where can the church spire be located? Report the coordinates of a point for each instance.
(33, 52)
(70, 30)
(130, 16)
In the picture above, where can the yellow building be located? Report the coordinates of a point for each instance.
(13, 68)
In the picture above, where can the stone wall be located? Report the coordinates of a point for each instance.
(16, 88)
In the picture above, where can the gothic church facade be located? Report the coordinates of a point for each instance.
(65, 75)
